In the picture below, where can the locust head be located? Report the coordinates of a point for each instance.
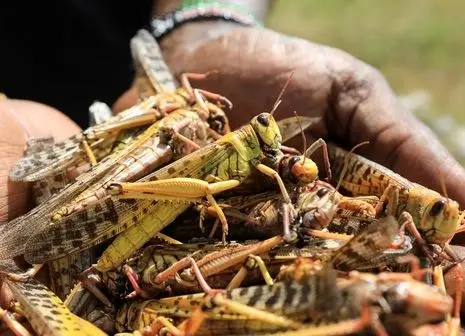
(412, 303)
(438, 216)
(267, 130)
(303, 169)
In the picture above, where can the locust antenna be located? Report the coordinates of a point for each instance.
(442, 183)
(346, 163)
(304, 138)
(278, 100)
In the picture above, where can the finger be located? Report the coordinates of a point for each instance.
(126, 100)
(20, 120)
(363, 107)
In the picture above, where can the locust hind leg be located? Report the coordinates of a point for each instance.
(181, 264)
(320, 143)
(177, 189)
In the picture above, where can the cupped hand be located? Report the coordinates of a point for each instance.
(353, 98)
(20, 120)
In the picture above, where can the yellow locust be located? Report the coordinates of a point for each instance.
(226, 163)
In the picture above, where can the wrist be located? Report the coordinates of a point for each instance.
(190, 35)
(196, 21)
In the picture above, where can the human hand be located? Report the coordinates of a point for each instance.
(353, 98)
(19, 120)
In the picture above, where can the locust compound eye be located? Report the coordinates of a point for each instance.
(293, 160)
(263, 119)
(437, 208)
(322, 192)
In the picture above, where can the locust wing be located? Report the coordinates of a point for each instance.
(70, 152)
(152, 73)
(362, 175)
(366, 246)
(109, 217)
(290, 127)
(46, 313)
(15, 233)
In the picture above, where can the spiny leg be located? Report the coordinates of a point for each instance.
(252, 262)
(31, 272)
(185, 77)
(90, 154)
(390, 195)
(180, 189)
(406, 220)
(320, 143)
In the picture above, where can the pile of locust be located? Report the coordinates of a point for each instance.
(177, 225)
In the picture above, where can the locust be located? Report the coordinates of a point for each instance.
(229, 160)
(436, 217)
(145, 154)
(290, 303)
(317, 206)
(46, 313)
(151, 150)
(95, 142)
(184, 267)
(50, 185)
(130, 163)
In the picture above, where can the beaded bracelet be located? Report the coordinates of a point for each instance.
(201, 10)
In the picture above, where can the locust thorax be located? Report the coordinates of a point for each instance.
(435, 216)
(267, 131)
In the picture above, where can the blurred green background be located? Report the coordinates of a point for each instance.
(416, 44)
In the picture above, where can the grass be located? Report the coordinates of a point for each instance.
(416, 44)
